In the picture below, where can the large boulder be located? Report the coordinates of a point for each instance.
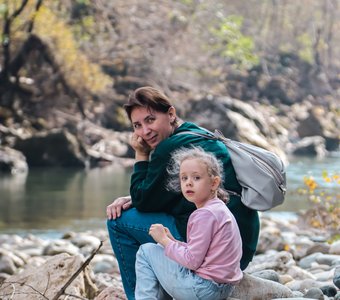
(255, 288)
(12, 161)
(237, 120)
(46, 281)
(310, 146)
(56, 147)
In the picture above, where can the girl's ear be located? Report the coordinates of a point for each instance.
(216, 182)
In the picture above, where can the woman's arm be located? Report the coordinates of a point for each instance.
(148, 182)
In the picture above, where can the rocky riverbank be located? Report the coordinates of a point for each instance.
(292, 262)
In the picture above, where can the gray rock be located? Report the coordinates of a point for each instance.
(252, 287)
(329, 290)
(303, 285)
(7, 265)
(314, 293)
(336, 278)
(81, 240)
(12, 161)
(307, 261)
(318, 247)
(268, 274)
(60, 246)
(328, 259)
(297, 294)
(311, 145)
(335, 248)
(3, 277)
(56, 147)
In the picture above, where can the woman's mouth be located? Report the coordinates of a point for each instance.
(152, 140)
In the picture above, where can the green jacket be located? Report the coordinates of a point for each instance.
(149, 194)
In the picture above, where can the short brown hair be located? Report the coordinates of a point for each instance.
(148, 97)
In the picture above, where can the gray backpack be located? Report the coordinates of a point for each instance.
(260, 172)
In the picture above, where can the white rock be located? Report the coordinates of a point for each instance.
(335, 248)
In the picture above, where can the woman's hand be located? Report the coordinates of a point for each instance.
(114, 210)
(160, 234)
(140, 146)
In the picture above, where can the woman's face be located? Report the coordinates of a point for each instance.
(151, 125)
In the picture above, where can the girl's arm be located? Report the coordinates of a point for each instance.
(200, 233)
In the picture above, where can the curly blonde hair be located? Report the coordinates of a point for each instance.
(214, 168)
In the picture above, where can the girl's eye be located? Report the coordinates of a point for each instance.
(197, 178)
(184, 178)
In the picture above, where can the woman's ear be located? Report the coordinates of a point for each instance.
(172, 113)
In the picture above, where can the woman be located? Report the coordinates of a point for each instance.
(156, 127)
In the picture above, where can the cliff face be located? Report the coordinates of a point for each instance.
(68, 82)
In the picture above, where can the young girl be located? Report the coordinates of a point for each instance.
(208, 265)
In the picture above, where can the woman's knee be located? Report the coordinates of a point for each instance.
(111, 224)
(126, 217)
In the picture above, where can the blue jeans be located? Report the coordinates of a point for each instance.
(127, 233)
(159, 277)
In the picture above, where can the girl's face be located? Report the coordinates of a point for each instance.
(151, 125)
(196, 184)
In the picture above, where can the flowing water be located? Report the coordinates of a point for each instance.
(51, 201)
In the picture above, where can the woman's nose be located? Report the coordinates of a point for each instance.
(146, 130)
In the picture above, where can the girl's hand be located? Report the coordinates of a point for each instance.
(168, 233)
(114, 210)
(159, 234)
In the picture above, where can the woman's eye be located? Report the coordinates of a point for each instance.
(151, 120)
(136, 126)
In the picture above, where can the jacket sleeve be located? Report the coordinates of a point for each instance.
(148, 180)
(200, 233)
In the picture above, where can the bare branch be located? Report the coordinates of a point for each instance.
(19, 10)
(74, 276)
(48, 283)
(31, 23)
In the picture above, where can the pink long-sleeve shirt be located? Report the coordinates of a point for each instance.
(214, 247)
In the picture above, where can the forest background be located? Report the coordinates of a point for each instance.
(266, 72)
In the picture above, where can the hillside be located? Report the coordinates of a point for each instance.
(266, 74)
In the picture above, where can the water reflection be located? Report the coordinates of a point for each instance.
(56, 200)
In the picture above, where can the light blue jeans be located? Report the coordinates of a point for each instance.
(127, 233)
(159, 277)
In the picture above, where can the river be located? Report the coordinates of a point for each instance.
(52, 201)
